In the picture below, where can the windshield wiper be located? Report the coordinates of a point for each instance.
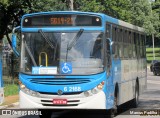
(30, 54)
(47, 40)
(73, 42)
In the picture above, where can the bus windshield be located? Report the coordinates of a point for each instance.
(46, 49)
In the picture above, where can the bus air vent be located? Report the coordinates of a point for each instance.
(55, 81)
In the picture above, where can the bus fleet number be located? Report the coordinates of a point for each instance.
(72, 89)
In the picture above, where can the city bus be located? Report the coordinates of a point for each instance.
(79, 60)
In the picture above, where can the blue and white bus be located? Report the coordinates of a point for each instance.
(80, 60)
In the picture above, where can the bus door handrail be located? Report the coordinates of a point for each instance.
(40, 58)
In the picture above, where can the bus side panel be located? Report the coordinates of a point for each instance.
(109, 93)
(142, 76)
(128, 80)
(116, 73)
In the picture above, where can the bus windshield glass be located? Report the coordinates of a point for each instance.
(83, 50)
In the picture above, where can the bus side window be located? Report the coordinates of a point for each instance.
(108, 50)
(108, 56)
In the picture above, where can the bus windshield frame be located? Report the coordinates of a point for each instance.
(80, 55)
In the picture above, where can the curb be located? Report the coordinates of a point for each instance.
(10, 105)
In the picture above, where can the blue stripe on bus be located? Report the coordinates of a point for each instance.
(115, 76)
(64, 12)
(94, 81)
(57, 29)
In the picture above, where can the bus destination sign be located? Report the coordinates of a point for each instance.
(61, 20)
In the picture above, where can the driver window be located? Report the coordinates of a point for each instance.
(108, 56)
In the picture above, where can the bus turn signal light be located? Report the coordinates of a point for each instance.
(100, 86)
(22, 86)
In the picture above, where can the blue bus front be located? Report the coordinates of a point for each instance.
(63, 61)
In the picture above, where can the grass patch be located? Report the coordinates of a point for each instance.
(151, 58)
(10, 90)
(149, 54)
(151, 50)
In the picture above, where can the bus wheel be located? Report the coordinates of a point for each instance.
(136, 99)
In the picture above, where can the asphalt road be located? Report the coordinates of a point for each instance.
(149, 100)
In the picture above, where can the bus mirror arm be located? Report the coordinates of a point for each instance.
(14, 41)
(110, 41)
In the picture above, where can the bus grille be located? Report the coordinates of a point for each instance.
(70, 103)
(59, 81)
(70, 93)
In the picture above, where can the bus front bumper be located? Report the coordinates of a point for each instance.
(96, 101)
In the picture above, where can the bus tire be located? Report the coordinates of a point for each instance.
(136, 99)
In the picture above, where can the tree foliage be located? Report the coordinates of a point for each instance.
(89, 6)
(156, 14)
(119, 9)
(11, 11)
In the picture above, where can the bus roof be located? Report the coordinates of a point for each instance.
(105, 17)
(123, 23)
(64, 12)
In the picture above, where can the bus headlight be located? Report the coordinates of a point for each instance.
(86, 93)
(28, 91)
(100, 86)
(21, 85)
(95, 90)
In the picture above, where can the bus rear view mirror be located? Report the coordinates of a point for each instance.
(14, 45)
(14, 41)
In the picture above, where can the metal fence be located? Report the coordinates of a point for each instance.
(10, 68)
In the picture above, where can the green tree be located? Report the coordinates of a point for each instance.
(11, 12)
(118, 8)
(44, 5)
(143, 16)
(156, 12)
(88, 5)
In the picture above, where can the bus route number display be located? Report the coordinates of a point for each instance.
(55, 20)
(61, 21)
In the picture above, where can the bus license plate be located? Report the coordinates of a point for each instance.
(59, 101)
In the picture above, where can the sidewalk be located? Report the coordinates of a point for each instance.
(10, 101)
